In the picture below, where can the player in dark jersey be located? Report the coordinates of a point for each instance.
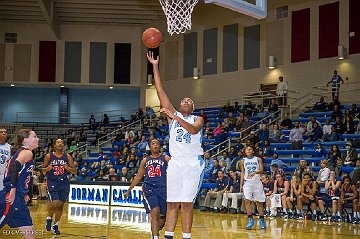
(56, 166)
(295, 191)
(13, 198)
(268, 186)
(308, 195)
(154, 186)
(332, 185)
(282, 187)
(348, 194)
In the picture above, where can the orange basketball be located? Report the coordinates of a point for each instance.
(152, 37)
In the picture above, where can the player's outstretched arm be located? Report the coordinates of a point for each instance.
(140, 174)
(164, 99)
(70, 165)
(191, 128)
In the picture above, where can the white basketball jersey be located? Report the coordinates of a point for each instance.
(251, 165)
(181, 143)
(5, 150)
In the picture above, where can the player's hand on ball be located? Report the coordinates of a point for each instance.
(167, 112)
(150, 57)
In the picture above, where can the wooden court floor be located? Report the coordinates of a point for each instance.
(91, 221)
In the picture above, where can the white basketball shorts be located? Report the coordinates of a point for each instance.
(184, 178)
(254, 191)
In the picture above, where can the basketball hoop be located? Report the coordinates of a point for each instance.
(178, 14)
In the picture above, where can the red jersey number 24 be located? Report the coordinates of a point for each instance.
(153, 172)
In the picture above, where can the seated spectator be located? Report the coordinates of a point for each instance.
(334, 103)
(128, 132)
(101, 176)
(239, 121)
(80, 136)
(303, 169)
(119, 136)
(131, 163)
(208, 132)
(286, 123)
(225, 158)
(203, 115)
(245, 126)
(92, 122)
(70, 137)
(350, 155)
(238, 146)
(234, 164)
(253, 138)
(333, 186)
(355, 111)
(105, 120)
(104, 166)
(217, 192)
(275, 160)
(232, 153)
(125, 176)
(320, 151)
(142, 145)
(316, 134)
(355, 173)
(310, 125)
(275, 134)
(320, 105)
(232, 191)
(249, 109)
(337, 113)
(348, 126)
(217, 129)
(263, 133)
(84, 170)
(101, 133)
(324, 173)
(221, 137)
(149, 113)
(333, 157)
(236, 107)
(266, 149)
(112, 175)
(328, 133)
(274, 170)
(214, 171)
(296, 136)
(273, 107)
(117, 152)
(228, 108)
(208, 163)
(76, 157)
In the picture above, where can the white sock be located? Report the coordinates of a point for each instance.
(268, 209)
(354, 214)
(338, 213)
(155, 237)
(56, 223)
(314, 212)
(48, 217)
(169, 233)
(284, 210)
(298, 211)
(186, 235)
(358, 214)
(290, 210)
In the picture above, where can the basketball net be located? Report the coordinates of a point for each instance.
(178, 14)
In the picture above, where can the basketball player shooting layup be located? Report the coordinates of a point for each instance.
(154, 187)
(251, 169)
(184, 172)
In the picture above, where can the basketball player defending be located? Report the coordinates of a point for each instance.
(184, 173)
(5, 151)
(13, 198)
(56, 166)
(251, 169)
(154, 186)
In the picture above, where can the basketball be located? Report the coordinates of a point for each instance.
(152, 37)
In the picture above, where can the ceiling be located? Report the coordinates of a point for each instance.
(94, 12)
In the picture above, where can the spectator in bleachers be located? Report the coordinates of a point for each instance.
(225, 158)
(76, 157)
(138, 115)
(320, 151)
(335, 84)
(149, 112)
(80, 136)
(125, 176)
(224, 167)
(273, 107)
(245, 126)
(275, 134)
(232, 153)
(348, 126)
(282, 187)
(232, 191)
(296, 136)
(92, 122)
(253, 138)
(355, 111)
(333, 156)
(101, 176)
(336, 113)
(308, 196)
(268, 186)
(236, 107)
(104, 165)
(346, 113)
(234, 164)
(239, 121)
(275, 170)
(214, 171)
(334, 103)
(281, 91)
(324, 173)
(350, 155)
(84, 170)
(355, 173)
(320, 105)
(328, 133)
(124, 155)
(316, 134)
(302, 169)
(208, 132)
(221, 137)
(238, 146)
(208, 163)
(105, 120)
(275, 160)
(231, 121)
(295, 191)
(217, 192)
(119, 136)
(266, 149)
(70, 137)
(263, 133)
(204, 116)
(333, 192)
(116, 152)
(249, 109)
(310, 124)
(130, 139)
(286, 123)
(128, 132)
(142, 145)
(228, 108)
(227, 126)
(112, 175)
(348, 195)
(101, 133)
(217, 129)
(131, 163)
(100, 158)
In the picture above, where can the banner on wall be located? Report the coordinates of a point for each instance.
(89, 194)
(135, 198)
